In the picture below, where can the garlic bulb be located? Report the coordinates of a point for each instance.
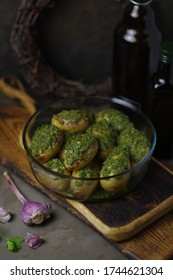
(32, 212)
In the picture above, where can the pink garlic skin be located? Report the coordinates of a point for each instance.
(35, 212)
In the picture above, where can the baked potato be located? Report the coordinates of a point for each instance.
(72, 120)
(137, 143)
(61, 183)
(105, 135)
(79, 150)
(117, 162)
(82, 188)
(116, 118)
(46, 142)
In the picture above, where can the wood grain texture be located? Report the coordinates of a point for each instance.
(120, 219)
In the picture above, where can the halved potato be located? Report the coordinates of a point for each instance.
(105, 135)
(82, 189)
(116, 118)
(46, 142)
(79, 151)
(116, 163)
(71, 120)
(60, 183)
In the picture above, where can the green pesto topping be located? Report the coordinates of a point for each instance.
(104, 133)
(126, 135)
(71, 115)
(70, 136)
(100, 128)
(88, 172)
(117, 119)
(88, 115)
(136, 141)
(78, 147)
(116, 162)
(55, 165)
(44, 138)
(106, 142)
(138, 147)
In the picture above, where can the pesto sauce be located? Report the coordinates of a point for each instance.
(44, 138)
(88, 115)
(88, 172)
(117, 119)
(78, 145)
(104, 133)
(136, 141)
(55, 165)
(116, 162)
(74, 116)
(106, 142)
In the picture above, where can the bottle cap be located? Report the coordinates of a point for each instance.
(141, 2)
(166, 52)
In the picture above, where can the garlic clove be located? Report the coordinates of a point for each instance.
(5, 215)
(34, 241)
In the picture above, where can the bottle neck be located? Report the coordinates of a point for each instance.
(138, 13)
(165, 70)
(141, 2)
(135, 15)
(139, 20)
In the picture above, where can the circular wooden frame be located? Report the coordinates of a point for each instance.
(36, 72)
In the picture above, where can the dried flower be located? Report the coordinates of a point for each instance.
(5, 215)
(32, 212)
(34, 241)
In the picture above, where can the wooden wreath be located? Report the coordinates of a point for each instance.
(36, 72)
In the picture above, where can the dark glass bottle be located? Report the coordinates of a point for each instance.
(135, 53)
(162, 103)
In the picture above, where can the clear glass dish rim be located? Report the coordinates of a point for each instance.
(117, 100)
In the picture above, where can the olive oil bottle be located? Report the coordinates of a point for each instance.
(162, 103)
(135, 53)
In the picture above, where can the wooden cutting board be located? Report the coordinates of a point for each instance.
(139, 224)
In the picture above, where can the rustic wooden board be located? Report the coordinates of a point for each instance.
(116, 220)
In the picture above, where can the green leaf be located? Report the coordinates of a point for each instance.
(14, 244)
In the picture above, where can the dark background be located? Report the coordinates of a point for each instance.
(77, 35)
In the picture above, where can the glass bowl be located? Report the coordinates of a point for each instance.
(61, 184)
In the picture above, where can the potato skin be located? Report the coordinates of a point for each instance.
(82, 189)
(116, 163)
(60, 184)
